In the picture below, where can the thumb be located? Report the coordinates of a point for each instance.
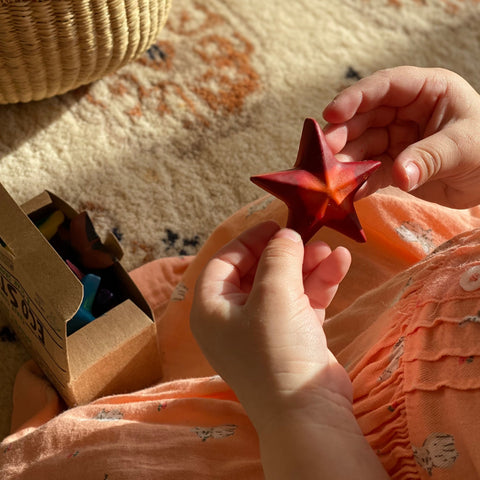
(279, 272)
(420, 162)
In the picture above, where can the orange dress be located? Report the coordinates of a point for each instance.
(405, 324)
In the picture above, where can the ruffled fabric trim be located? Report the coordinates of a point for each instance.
(416, 387)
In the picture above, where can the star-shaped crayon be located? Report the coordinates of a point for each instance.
(319, 189)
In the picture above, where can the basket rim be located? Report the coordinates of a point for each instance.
(8, 2)
(5, 3)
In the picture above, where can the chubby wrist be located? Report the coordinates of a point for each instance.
(304, 443)
(323, 409)
(329, 391)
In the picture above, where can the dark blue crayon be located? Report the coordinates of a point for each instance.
(84, 314)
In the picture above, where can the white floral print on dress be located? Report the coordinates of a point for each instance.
(438, 451)
(470, 280)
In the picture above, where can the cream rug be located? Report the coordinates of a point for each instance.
(161, 151)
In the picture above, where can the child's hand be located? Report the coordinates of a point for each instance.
(257, 314)
(423, 124)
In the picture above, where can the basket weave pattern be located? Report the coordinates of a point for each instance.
(48, 47)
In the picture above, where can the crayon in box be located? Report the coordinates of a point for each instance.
(40, 294)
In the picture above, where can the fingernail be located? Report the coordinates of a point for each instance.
(289, 234)
(413, 175)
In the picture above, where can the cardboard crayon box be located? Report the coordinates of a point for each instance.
(70, 301)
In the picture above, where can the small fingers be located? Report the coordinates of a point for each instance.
(394, 87)
(322, 282)
(224, 272)
(374, 142)
(315, 253)
(380, 178)
(437, 156)
(279, 271)
(338, 135)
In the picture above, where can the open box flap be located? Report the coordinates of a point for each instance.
(54, 294)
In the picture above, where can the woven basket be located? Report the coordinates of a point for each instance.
(48, 47)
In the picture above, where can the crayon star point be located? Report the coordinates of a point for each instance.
(319, 189)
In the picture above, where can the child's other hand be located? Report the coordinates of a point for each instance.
(257, 314)
(422, 123)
